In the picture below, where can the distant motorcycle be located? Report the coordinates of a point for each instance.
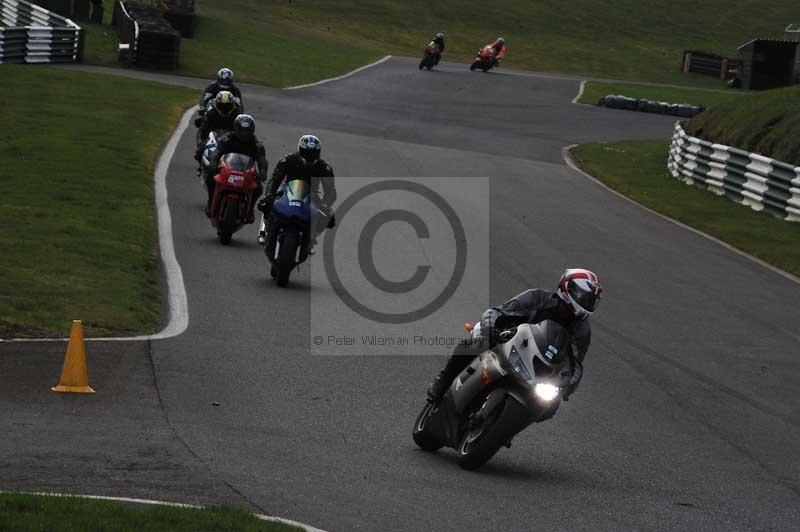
(486, 59)
(431, 54)
(505, 389)
(233, 195)
(291, 229)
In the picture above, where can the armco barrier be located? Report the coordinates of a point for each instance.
(34, 35)
(747, 178)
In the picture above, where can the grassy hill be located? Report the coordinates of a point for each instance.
(767, 123)
(295, 41)
(77, 224)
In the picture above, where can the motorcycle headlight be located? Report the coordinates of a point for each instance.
(545, 392)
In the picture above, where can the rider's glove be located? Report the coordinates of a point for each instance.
(488, 329)
(332, 221)
(574, 381)
(265, 204)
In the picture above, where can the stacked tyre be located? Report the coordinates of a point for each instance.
(617, 101)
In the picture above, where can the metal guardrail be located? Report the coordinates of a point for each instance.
(751, 179)
(33, 34)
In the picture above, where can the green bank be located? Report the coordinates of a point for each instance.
(283, 43)
(77, 217)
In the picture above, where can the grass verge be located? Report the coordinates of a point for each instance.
(638, 170)
(282, 43)
(767, 123)
(29, 513)
(77, 222)
(595, 90)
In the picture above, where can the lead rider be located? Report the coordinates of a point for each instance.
(576, 298)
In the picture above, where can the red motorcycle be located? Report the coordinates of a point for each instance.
(431, 56)
(233, 195)
(486, 60)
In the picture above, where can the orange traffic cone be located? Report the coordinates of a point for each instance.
(74, 376)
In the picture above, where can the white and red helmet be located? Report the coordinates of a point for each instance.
(580, 289)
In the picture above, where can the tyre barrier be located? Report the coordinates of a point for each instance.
(32, 34)
(616, 101)
(751, 179)
(180, 14)
(146, 39)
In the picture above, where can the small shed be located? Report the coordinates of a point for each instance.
(768, 63)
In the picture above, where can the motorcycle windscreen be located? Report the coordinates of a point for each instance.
(298, 190)
(238, 162)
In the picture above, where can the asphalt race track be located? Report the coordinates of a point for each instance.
(687, 418)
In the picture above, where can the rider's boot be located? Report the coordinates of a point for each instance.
(455, 365)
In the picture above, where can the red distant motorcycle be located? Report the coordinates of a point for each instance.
(486, 60)
(432, 53)
(233, 194)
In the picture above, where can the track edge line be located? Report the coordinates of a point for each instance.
(337, 78)
(151, 502)
(177, 299)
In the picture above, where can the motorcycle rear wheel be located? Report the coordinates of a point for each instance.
(285, 262)
(425, 441)
(480, 444)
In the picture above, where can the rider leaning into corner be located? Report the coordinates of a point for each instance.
(305, 164)
(499, 47)
(220, 117)
(438, 40)
(224, 82)
(570, 306)
(241, 140)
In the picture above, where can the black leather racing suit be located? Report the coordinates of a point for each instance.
(213, 89)
(440, 43)
(230, 143)
(532, 306)
(319, 175)
(214, 121)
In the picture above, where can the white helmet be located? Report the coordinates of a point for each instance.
(580, 289)
(309, 148)
(225, 78)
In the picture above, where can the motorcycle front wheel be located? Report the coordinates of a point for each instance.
(285, 262)
(482, 442)
(423, 439)
(230, 219)
(474, 65)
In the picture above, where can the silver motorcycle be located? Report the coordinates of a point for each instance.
(518, 382)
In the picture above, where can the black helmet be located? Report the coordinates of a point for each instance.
(224, 103)
(500, 42)
(244, 127)
(440, 36)
(225, 78)
(309, 148)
